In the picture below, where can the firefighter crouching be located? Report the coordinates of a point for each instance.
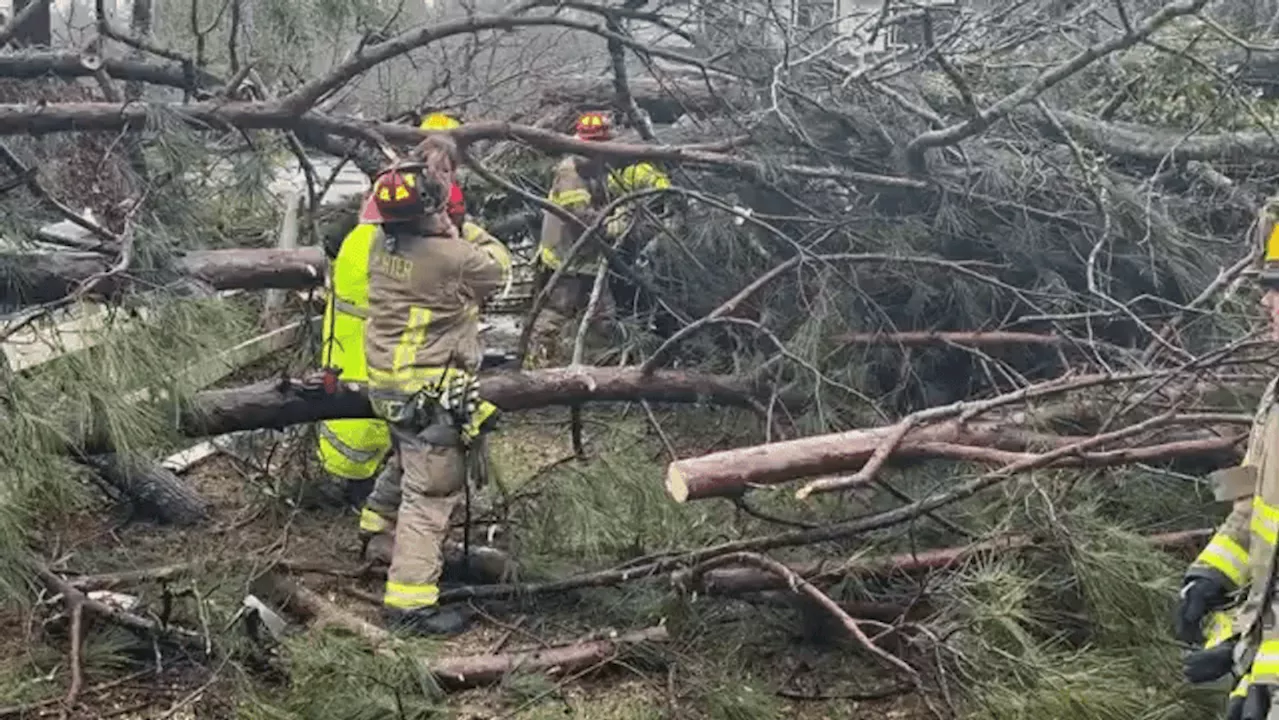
(583, 187)
(377, 518)
(422, 344)
(1232, 583)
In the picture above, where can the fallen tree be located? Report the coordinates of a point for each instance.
(731, 472)
(465, 671)
(32, 278)
(278, 404)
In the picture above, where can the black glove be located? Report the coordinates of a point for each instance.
(1209, 664)
(1200, 596)
(1253, 705)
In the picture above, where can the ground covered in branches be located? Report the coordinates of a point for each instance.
(989, 262)
(1074, 625)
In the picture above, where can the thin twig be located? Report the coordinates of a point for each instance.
(77, 667)
(804, 587)
(869, 470)
(23, 710)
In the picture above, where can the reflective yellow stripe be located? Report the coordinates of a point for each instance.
(1266, 663)
(402, 383)
(352, 454)
(372, 522)
(1242, 687)
(1219, 629)
(412, 339)
(570, 198)
(549, 257)
(1263, 522)
(1227, 557)
(410, 596)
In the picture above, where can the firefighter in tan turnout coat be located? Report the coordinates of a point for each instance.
(583, 187)
(426, 284)
(1232, 583)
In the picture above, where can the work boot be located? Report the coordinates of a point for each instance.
(433, 620)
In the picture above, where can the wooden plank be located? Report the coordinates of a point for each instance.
(223, 364)
(67, 331)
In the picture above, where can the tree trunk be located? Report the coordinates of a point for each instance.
(37, 29)
(155, 491)
(274, 404)
(728, 473)
(31, 278)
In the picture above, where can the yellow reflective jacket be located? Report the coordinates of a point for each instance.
(351, 449)
(1243, 551)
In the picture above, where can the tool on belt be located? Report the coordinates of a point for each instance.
(451, 413)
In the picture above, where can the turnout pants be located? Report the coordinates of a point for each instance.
(383, 504)
(432, 485)
(567, 301)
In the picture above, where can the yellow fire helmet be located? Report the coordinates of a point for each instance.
(439, 121)
(1269, 234)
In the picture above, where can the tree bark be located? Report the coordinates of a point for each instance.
(457, 673)
(730, 472)
(35, 26)
(155, 491)
(31, 278)
(467, 671)
(34, 64)
(269, 405)
(665, 100)
(738, 580)
(276, 404)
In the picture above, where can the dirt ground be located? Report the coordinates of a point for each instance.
(259, 519)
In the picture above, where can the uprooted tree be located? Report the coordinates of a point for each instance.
(974, 277)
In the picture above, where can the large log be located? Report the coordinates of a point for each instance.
(730, 472)
(33, 64)
(30, 278)
(154, 491)
(277, 404)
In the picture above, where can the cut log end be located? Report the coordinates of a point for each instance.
(677, 488)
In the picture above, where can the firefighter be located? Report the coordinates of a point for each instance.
(351, 450)
(422, 344)
(1232, 582)
(377, 518)
(583, 187)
